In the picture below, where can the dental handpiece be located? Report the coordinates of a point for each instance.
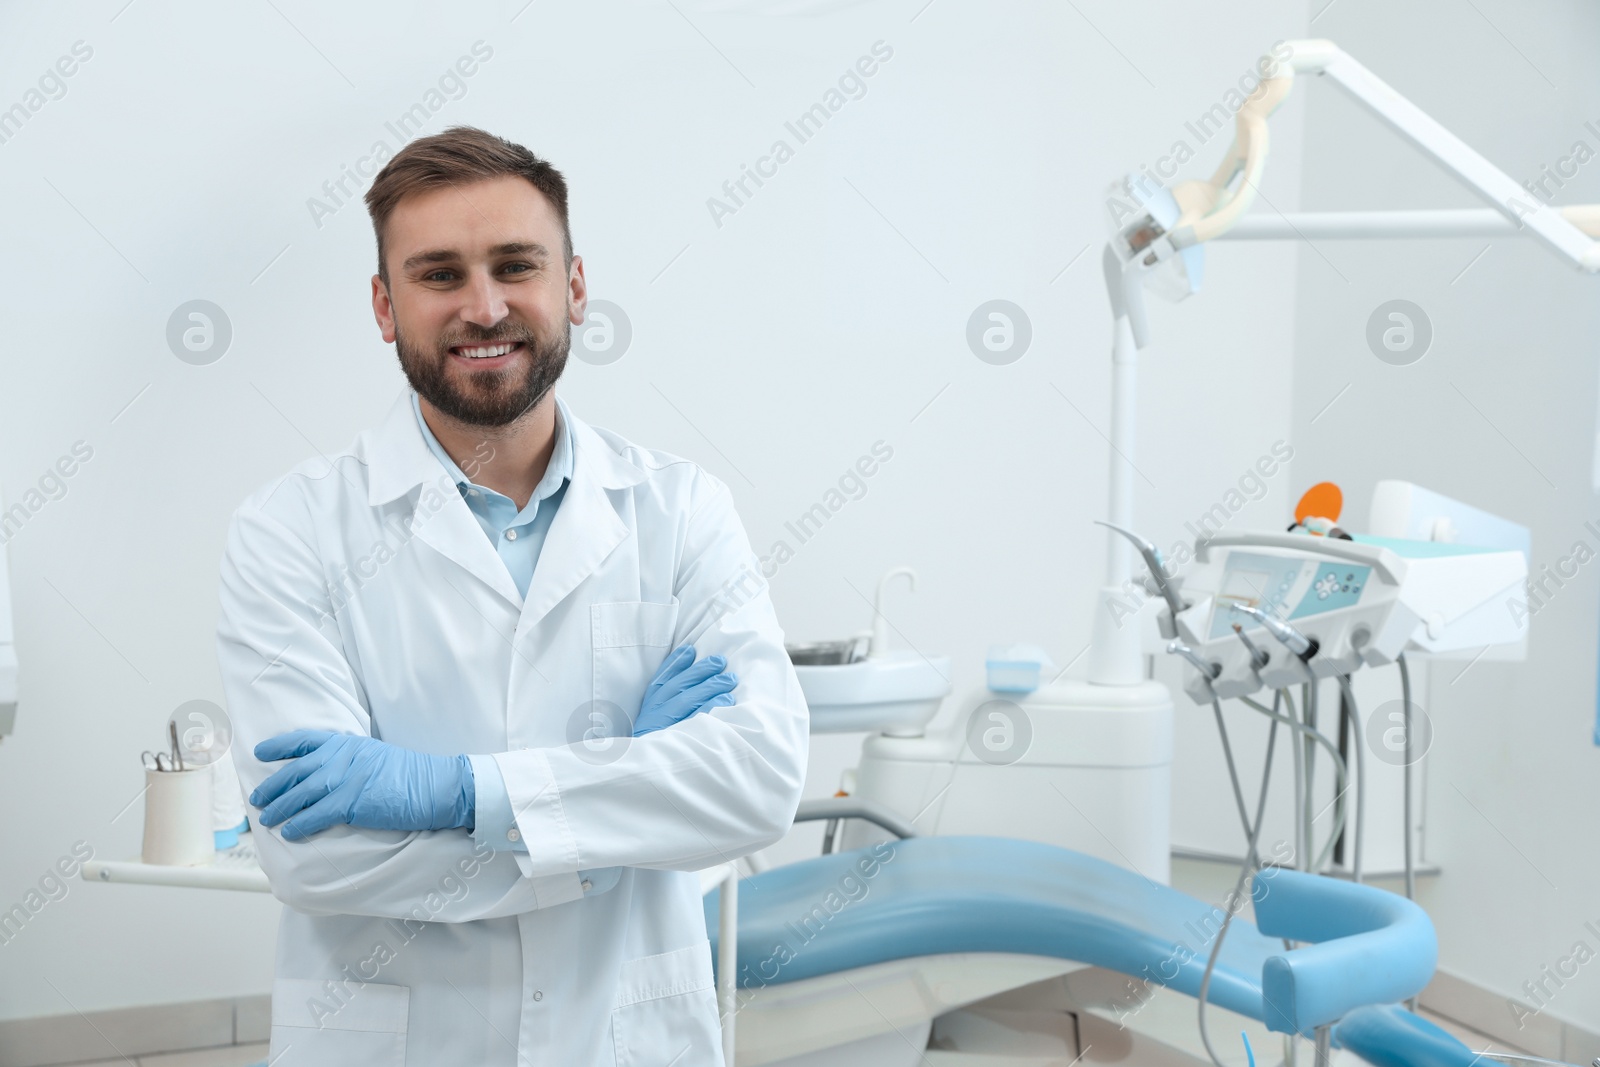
(1208, 671)
(1258, 658)
(1292, 639)
(1152, 562)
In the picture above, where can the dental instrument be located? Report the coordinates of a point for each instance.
(173, 756)
(1287, 635)
(1258, 658)
(1153, 562)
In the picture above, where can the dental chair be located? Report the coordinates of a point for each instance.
(988, 950)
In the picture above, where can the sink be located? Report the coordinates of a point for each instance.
(896, 693)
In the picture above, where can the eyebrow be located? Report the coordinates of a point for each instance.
(450, 255)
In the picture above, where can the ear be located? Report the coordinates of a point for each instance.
(383, 309)
(577, 292)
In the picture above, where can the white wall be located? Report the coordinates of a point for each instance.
(1500, 413)
(825, 315)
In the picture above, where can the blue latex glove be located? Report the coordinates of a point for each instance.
(683, 686)
(359, 780)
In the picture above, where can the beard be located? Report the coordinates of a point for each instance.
(487, 397)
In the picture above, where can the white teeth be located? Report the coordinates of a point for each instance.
(487, 351)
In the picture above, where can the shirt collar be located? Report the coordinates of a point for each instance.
(557, 472)
(398, 458)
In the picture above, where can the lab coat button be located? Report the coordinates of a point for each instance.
(513, 834)
(538, 994)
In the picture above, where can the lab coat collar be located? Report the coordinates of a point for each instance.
(557, 473)
(399, 460)
(585, 530)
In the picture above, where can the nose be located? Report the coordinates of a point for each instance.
(484, 303)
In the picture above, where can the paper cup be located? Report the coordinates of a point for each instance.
(177, 818)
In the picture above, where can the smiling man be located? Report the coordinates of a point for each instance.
(482, 755)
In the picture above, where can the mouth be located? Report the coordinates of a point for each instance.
(486, 356)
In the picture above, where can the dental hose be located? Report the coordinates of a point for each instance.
(1253, 834)
(1361, 778)
(1340, 777)
(1308, 715)
(1233, 771)
(1250, 864)
(1302, 844)
(1405, 712)
(1405, 724)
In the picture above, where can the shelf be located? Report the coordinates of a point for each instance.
(234, 868)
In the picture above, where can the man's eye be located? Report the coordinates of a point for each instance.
(438, 276)
(520, 268)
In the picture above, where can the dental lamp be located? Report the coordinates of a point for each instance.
(1159, 243)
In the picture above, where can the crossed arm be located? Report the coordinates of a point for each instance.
(359, 780)
(719, 777)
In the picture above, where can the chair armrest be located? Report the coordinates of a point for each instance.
(1368, 946)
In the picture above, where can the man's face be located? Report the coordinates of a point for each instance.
(479, 304)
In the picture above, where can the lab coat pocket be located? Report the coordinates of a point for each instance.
(666, 1011)
(631, 639)
(364, 1024)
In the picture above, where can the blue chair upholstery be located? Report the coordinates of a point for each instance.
(1390, 1036)
(934, 895)
(1384, 940)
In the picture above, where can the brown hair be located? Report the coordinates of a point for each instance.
(459, 155)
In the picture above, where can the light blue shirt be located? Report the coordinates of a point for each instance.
(518, 536)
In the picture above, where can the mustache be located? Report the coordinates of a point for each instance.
(491, 337)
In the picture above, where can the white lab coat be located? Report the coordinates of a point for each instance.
(360, 595)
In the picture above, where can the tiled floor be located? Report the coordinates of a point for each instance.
(1170, 1021)
(1170, 1017)
(1470, 1037)
(229, 1056)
